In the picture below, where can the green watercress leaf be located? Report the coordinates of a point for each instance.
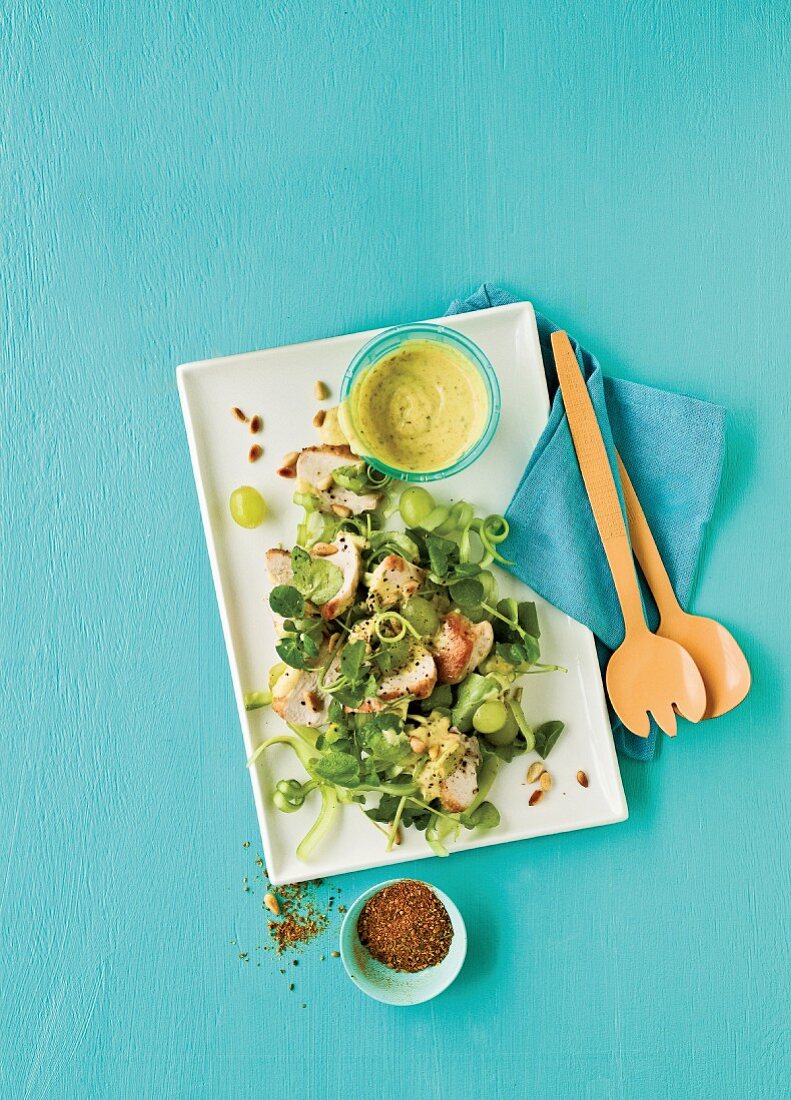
(287, 601)
(340, 768)
(467, 592)
(484, 816)
(546, 736)
(289, 650)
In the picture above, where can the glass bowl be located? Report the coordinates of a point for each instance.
(385, 343)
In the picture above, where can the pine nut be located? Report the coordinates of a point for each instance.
(318, 419)
(546, 781)
(536, 797)
(255, 453)
(321, 391)
(534, 771)
(341, 511)
(239, 414)
(582, 779)
(417, 746)
(272, 904)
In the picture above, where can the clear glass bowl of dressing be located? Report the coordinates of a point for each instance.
(420, 402)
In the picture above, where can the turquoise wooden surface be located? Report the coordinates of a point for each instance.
(180, 181)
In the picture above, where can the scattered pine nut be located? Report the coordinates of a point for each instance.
(255, 452)
(325, 483)
(321, 391)
(318, 419)
(433, 752)
(341, 511)
(272, 904)
(546, 781)
(256, 424)
(536, 797)
(582, 779)
(288, 467)
(237, 412)
(324, 550)
(534, 771)
(417, 746)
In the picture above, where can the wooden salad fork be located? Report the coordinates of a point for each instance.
(720, 661)
(647, 674)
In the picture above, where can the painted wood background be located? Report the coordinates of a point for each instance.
(184, 180)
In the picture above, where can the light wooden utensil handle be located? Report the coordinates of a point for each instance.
(599, 482)
(645, 548)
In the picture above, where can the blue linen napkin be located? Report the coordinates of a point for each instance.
(672, 447)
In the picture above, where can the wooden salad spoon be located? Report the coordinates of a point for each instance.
(714, 650)
(646, 674)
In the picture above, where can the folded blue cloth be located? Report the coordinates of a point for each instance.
(672, 447)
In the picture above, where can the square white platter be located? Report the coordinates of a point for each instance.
(278, 384)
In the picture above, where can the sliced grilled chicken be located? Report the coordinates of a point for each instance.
(297, 699)
(416, 677)
(460, 646)
(314, 470)
(457, 792)
(393, 581)
(344, 553)
(278, 567)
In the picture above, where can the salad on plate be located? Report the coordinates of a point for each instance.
(401, 671)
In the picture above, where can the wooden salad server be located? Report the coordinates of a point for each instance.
(646, 674)
(720, 661)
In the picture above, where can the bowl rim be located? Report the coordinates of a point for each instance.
(453, 970)
(475, 355)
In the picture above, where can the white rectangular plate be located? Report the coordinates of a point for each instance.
(278, 384)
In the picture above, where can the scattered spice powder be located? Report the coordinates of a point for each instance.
(406, 927)
(300, 920)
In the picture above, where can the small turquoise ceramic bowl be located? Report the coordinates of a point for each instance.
(385, 344)
(395, 987)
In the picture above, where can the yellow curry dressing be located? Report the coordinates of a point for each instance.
(421, 407)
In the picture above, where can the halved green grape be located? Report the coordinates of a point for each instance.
(421, 614)
(490, 717)
(248, 507)
(414, 505)
(506, 734)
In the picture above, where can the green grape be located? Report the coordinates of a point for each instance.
(506, 734)
(422, 616)
(248, 507)
(490, 717)
(415, 504)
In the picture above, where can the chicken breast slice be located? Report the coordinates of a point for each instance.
(278, 567)
(393, 581)
(345, 554)
(314, 469)
(416, 678)
(460, 646)
(297, 699)
(458, 791)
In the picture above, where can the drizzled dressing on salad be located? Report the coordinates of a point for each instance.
(420, 407)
